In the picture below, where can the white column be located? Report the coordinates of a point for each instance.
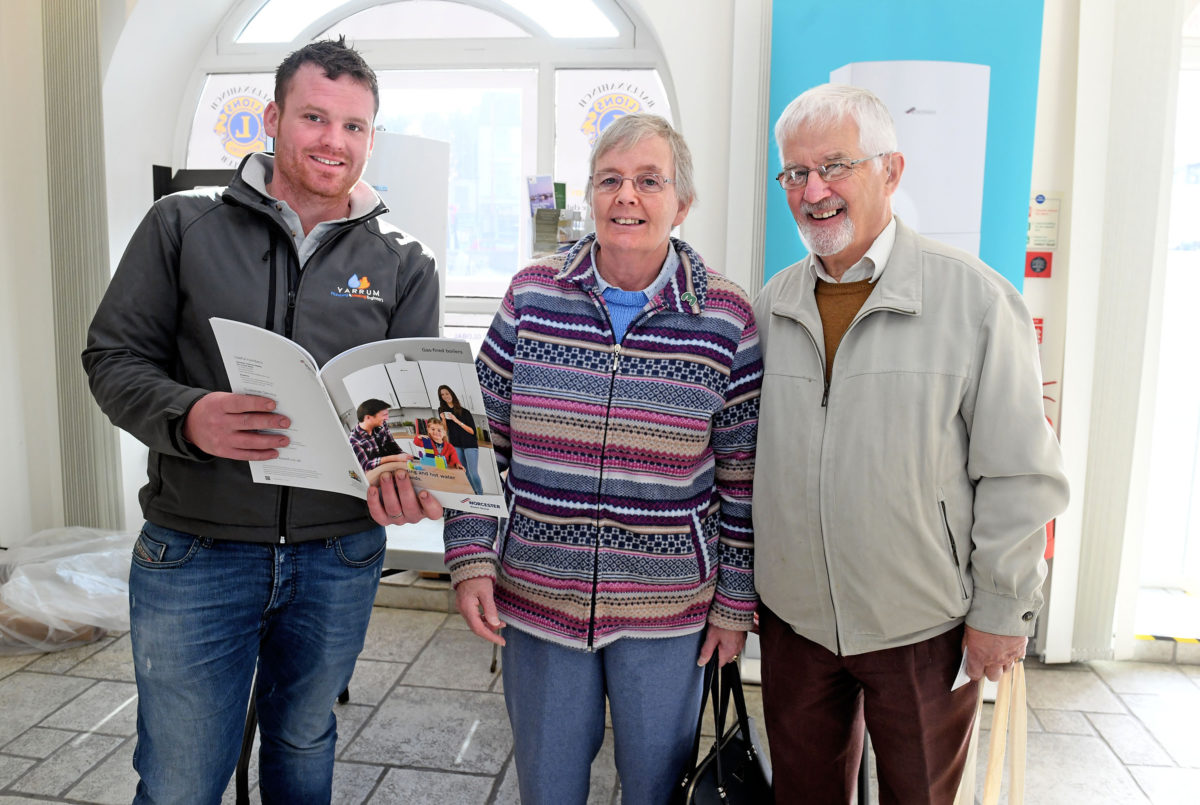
(749, 144)
(1125, 107)
(79, 270)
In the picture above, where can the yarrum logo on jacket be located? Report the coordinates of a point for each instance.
(358, 288)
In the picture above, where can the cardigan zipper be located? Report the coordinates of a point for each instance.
(612, 382)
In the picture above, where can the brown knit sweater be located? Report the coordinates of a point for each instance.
(838, 304)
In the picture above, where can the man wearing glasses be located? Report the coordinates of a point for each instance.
(905, 472)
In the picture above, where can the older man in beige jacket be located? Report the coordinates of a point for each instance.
(905, 473)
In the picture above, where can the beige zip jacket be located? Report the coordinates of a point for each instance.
(910, 493)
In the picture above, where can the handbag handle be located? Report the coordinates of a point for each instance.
(727, 684)
(720, 702)
(733, 684)
(708, 679)
(720, 685)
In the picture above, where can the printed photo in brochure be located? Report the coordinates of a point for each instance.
(410, 403)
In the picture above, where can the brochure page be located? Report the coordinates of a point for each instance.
(411, 404)
(319, 455)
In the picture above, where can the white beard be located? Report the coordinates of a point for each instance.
(823, 242)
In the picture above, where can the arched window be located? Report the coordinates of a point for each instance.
(518, 88)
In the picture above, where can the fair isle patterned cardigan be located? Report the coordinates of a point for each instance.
(629, 466)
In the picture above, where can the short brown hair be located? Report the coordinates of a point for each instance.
(335, 57)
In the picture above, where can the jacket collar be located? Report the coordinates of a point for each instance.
(685, 292)
(366, 202)
(898, 289)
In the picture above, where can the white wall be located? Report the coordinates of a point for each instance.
(157, 46)
(1127, 66)
(696, 39)
(1053, 172)
(30, 462)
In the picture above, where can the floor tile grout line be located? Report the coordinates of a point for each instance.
(61, 797)
(1120, 697)
(98, 764)
(56, 711)
(427, 650)
(1104, 739)
(399, 680)
(412, 767)
(398, 683)
(383, 773)
(494, 794)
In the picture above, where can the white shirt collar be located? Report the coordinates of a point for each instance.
(871, 265)
(669, 266)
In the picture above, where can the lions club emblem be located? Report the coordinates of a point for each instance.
(605, 110)
(240, 126)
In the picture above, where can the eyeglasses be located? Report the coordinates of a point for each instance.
(796, 178)
(643, 183)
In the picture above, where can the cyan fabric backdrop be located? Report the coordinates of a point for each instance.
(810, 39)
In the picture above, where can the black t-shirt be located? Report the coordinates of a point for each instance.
(458, 436)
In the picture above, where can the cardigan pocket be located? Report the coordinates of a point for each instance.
(705, 543)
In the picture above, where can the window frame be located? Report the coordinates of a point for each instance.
(634, 48)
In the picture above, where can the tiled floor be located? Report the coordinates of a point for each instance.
(426, 723)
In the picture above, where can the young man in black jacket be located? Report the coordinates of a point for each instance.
(229, 576)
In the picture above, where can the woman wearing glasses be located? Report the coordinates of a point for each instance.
(621, 382)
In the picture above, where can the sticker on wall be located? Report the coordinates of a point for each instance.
(586, 102)
(228, 122)
(1038, 264)
(240, 125)
(1043, 223)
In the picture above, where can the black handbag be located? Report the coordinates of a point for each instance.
(735, 771)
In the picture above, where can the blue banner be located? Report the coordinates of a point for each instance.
(961, 81)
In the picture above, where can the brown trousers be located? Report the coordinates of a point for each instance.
(817, 705)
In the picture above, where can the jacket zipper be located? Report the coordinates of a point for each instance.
(294, 277)
(293, 285)
(861, 315)
(837, 632)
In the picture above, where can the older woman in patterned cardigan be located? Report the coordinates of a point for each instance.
(621, 382)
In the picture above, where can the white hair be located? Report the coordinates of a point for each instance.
(629, 130)
(829, 104)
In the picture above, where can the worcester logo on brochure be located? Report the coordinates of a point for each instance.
(357, 288)
(482, 504)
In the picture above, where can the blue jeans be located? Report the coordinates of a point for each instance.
(202, 614)
(470, 462)
(555, 698)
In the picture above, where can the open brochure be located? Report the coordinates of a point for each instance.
(409, 375)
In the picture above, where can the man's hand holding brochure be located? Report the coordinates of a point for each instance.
(321, 402)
